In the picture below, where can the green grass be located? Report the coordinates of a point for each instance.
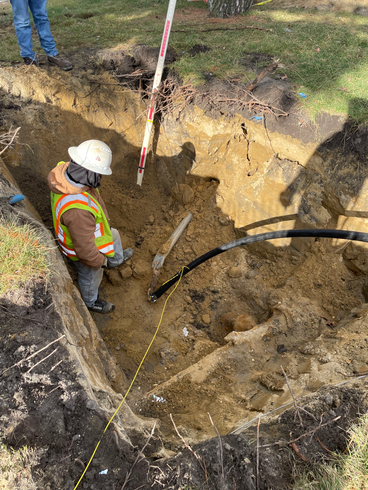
(22, 255)
(349, 472)
(325, 56)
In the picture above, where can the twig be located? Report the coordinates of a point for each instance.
(139, 455)
(268, 136)
(292, 394)
(350, 443)
(343, 246)
(325, 448)
(221, 451)
(48, 307)
(297, 407)
(198, 458)
(3, 138)
(44, 359)
(91, 92)
(269, 69)
(259, 421)
(32, 355)
(296, 449)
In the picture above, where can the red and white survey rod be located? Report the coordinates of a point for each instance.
(156, 83)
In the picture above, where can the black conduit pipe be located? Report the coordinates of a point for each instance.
(272, 235)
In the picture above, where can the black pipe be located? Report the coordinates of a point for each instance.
(272, 235)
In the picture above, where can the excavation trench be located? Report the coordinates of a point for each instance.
(235, 320)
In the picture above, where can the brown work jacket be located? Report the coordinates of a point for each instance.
(80, 222)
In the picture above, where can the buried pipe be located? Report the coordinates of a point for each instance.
(272, 235)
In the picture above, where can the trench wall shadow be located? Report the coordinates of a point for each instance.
(327, 189)
(43, 151)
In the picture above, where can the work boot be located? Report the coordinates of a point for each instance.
(128, 252)
(60, 62)
(31, 61)
(101, 306)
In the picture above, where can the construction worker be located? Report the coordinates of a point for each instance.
(81, 221)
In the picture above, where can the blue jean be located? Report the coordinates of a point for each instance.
(89, 279)
(23, 27)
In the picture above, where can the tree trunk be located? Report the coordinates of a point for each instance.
(228, 8)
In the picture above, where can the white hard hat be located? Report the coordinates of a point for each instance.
(93, 155)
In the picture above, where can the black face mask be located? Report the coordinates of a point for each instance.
(81, 175)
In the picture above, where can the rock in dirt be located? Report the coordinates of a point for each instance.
(183, 193)
(141, 269)
(206, 319)
(126, 272)
(238, 323)
(114, 277)
(235, 272)
(244, 322)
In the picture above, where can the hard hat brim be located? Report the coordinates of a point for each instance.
(74, 155)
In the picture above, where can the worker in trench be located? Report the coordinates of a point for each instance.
(81, 221)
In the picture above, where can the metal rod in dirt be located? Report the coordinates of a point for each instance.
(156, 83)
(164, 251)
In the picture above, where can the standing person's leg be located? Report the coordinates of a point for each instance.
(89, 281)
(23, 28)
(120, 254)
(39, 12)
(41, 20)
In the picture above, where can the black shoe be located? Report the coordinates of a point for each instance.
(101, 306)
(31, 61)
(128, 252)
(60, 62)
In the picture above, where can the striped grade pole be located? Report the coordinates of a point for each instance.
(156, 83)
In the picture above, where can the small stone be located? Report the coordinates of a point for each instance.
(234, 272)
(151, 219)
(224, 220)
(141, 269)
(206, 319)
(91, 405)
(183, 193)
(117, 348)
(188, 299)
(126, 272)
(244, 322)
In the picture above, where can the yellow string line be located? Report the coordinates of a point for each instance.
(131, 384)
(262, 3)
(173, 277)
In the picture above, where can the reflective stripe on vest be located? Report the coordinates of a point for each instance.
(85, 200)
(66, 200)
(62, 203)
(105, 249)
(99, 230)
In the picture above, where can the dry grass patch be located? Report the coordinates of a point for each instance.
(23, 256)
